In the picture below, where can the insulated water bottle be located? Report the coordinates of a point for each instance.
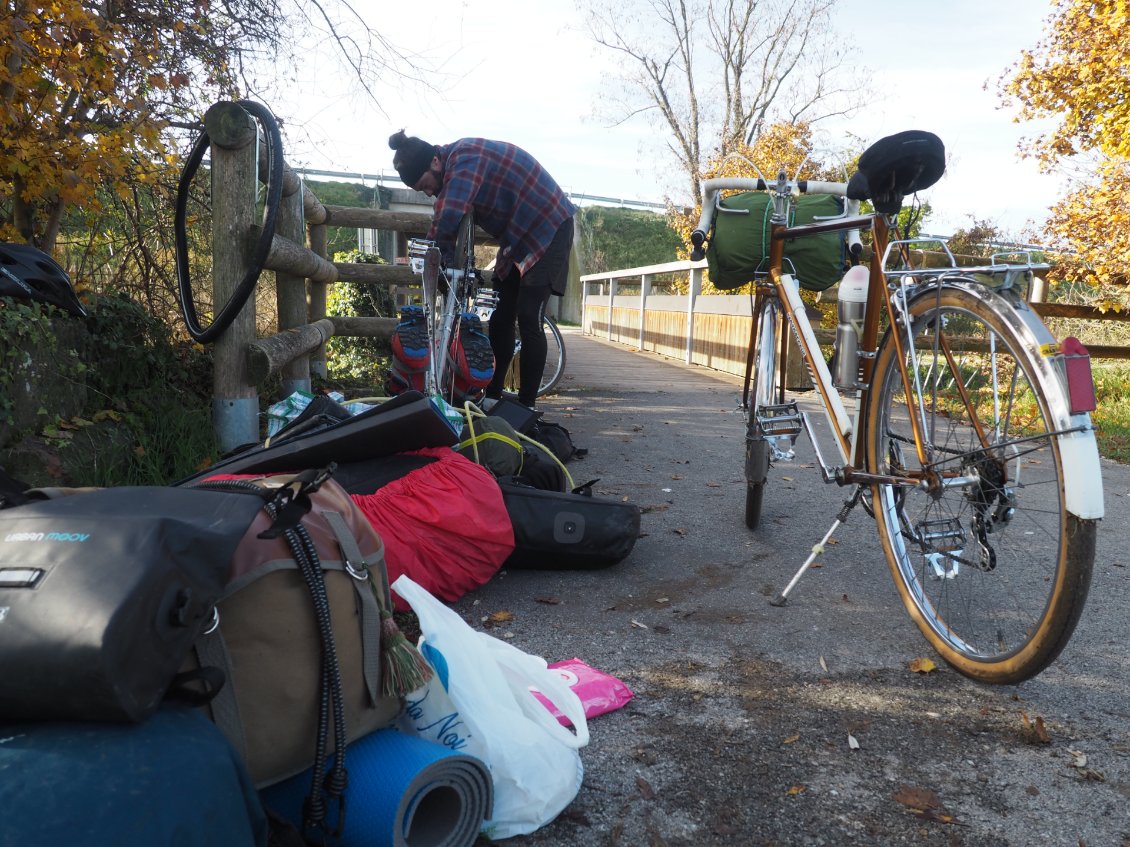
(850, 306)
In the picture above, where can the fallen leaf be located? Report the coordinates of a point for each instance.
(662, 599)
(792, 739)
(713, 485)
(852, 743)
(549, 601)
(921, 665)
(1035, 727)
(679, 532)
(923, 803)
(787, 478)
(673, 476)
(1078, 760)
(796, 789)
(501, 617)
(823, 664)
(638, 625)
(646, 791)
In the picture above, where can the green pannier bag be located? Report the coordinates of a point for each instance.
(738, 251)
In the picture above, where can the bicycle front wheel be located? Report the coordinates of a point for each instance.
(554, 360)
(990, 564)
(764, 392)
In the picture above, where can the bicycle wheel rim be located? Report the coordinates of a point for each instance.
(993, 572)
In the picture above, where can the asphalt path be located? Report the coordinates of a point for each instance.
(753, 724)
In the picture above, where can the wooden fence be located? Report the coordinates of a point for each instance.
(297, 255)
(713, 331)
(302, 271)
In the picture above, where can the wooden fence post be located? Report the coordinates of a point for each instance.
(645, 289)
(317, 294)
(613, 284)
(235, 182)
(693, 290)
(290, 291)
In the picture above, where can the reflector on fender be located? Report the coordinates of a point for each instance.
(1080, 385)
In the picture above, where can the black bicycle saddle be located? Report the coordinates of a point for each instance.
(895, 166)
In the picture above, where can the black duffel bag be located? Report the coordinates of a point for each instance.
(102, 594)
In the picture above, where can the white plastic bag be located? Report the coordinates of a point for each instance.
(534, 764)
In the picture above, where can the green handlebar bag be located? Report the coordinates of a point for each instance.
(738, 252)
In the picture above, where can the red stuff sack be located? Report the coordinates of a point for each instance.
(445, 524)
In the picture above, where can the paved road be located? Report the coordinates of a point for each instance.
(739, 730)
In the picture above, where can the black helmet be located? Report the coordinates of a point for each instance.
(30, 274)
(895, 166)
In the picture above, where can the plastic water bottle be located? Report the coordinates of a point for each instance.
(851, 305)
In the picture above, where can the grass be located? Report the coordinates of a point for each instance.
(1112, 417)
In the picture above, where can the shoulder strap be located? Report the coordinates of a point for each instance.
(357, 568)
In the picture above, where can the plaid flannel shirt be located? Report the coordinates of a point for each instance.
(512, 196)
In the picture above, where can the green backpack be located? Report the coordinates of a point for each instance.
(738, 251)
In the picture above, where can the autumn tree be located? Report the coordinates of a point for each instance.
(93, 94)
(1076, 76)
(715, 74)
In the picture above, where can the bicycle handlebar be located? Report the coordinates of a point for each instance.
(711, 187)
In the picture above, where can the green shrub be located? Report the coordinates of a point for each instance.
(358, 363)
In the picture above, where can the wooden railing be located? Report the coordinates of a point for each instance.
(713, 331)
(297, 255)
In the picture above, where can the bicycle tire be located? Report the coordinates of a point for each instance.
(763, 391)
(554, 357)
(554, 360)
(995, 573)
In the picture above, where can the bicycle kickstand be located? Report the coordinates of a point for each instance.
(841, 518)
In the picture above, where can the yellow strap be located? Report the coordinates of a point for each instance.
(471, 411)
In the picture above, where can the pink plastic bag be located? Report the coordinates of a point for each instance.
(598, 691)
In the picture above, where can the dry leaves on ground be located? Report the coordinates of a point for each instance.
(923, 803)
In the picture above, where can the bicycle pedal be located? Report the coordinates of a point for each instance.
(942, 542)
(941, 535)
(783, 419)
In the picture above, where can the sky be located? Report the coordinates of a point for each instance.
(525, 71)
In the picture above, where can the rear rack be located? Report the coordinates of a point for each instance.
(1005, 270)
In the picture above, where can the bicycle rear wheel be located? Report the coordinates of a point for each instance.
(554, 359)
(764, 392)
(988, 561)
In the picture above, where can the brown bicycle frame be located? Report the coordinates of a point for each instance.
(878, 298)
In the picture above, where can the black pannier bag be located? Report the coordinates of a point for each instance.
(102, 594)
(738, 251)
(556, 530)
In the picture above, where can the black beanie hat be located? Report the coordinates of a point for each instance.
(413, 156)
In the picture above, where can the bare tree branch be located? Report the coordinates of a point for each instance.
(761, 61)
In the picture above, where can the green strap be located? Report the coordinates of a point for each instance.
(355, 564)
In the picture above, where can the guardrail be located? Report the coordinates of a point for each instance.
(714, 331)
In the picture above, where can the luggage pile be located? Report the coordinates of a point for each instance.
(208, 641)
